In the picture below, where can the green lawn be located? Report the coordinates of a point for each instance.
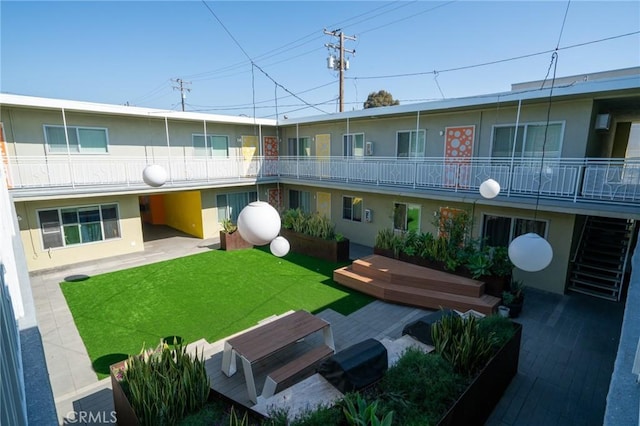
(209, 295)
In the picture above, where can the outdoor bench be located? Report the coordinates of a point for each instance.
(296, 370)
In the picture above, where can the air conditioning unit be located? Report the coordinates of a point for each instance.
(367, 215)
(603, 121)
(368, 148)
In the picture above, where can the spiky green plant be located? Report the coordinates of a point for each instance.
(460, 342)
(362, 413)
(164, 385)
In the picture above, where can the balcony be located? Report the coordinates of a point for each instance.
(574, 180)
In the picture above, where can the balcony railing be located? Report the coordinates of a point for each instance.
(573, 179)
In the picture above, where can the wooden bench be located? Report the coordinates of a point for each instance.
(294, 371)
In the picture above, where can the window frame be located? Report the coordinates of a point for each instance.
(526, 127)
(208, 145)
(354, 201)
(348, 147)
(415, 141)
(303, 205)
(76, 130)
(63, 225)
(408, 206)
(251, 196)
(299, 144)
(512, 226)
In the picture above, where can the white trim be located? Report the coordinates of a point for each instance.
(66, 134)
(525, 126)
(418, 132)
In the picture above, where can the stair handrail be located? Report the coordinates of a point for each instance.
(626, 254)
(577, 249)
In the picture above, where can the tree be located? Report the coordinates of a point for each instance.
(381, 98)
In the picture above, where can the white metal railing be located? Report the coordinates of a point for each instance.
(605, 180)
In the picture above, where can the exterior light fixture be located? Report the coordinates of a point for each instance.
(489, 188)
(154, 175)
(279, 246)
(258, 223)
(530, 252)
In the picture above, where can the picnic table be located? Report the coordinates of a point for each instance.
(265, 340)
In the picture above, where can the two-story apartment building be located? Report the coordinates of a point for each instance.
(567, 159)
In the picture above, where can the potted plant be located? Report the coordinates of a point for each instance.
(159, 386)
(230, 239)
(314, 235)
(514, 297)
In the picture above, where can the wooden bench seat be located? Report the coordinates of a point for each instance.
(294, 371)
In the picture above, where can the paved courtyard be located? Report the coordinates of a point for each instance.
(568, 348)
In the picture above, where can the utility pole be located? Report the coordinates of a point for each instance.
(181, 86)
(339, 64)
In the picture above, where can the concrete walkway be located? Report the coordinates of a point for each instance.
(568, 348)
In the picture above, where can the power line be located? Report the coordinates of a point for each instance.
(514, 58)
(341, 64)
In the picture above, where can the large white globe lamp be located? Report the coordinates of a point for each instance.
(279, 246)
(530, 252)
(489, 188)
(258, 223)
(154, 175)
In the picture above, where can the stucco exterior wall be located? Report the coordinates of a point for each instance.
(576, 116)
(183, 211)
(127, 136)
(38, 258)
(559, 226)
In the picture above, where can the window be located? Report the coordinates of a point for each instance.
(353, 145)
(300, 147)
(78, 225)
(406, 217)
(213, 146)
(411, 143)
(352, 208)
(499, 231)
(529, 141)
(230, 205)
(300, 200)
(85, 140)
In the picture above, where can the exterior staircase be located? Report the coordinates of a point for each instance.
(395, 281)
(602, 257)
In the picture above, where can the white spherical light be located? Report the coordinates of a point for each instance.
(489, 188)
(279, 246)
(259, 223)
(154, 175)
(530, 252)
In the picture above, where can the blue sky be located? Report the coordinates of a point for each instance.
(121, 51)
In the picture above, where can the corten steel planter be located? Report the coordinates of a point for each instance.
(125, 415)
(330, 250)
(478, 401)
(233, 241)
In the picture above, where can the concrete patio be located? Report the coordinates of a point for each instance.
(569, 345)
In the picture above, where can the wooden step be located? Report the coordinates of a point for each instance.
(366, 285)
(408, 274)
(414, 296)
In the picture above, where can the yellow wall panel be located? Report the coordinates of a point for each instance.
(183, 211)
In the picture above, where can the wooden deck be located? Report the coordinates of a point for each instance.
(378, 320)
(395, 281)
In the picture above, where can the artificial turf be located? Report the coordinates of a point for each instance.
(209, 295)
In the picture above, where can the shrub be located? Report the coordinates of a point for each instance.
(384, 239)
(313, 225)
(359, 412)
(459, 341)
(496, 328)
(164, 385)
(419, 388)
